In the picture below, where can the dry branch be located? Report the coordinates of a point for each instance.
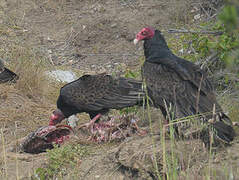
(197, 32)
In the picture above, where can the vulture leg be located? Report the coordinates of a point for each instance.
(91, 123)
(139, 131)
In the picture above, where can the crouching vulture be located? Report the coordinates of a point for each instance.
(95, 95)
(6, 75)
(181, 89)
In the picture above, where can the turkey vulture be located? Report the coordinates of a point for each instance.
(95, 95)
(5, 74)
(180, 88)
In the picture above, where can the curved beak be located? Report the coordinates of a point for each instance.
(136, 41)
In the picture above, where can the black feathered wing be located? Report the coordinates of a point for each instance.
(166, 86)
(179, 98)
(187, 71)
(157, 52)
(101, 92)
(7, 75)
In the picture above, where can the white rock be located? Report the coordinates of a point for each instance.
(62, 76)
(181, 51)
(113, 25)
(196, 17)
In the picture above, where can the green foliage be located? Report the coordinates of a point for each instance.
(206, 44)
(229, 17)
(132, 74)
(129, 110)
(61, 159)
(232, 60)
(199, 47)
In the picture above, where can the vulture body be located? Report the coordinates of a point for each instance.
(96, 94)
(180, 88)
(6, 75)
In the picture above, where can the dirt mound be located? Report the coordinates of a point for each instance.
(141, 155)
(136, 158)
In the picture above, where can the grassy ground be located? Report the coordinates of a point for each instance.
(94, 36)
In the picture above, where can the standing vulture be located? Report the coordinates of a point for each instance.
(180, 88)
(95, 95)
(5, 74)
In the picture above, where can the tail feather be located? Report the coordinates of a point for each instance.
(135, 88)
(222, 131)
(133, 83)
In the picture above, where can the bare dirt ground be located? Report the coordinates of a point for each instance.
(72, 32)
(90, 36)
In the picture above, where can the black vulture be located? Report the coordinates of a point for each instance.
(181, 88)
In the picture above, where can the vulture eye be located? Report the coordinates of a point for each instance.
(144, 33)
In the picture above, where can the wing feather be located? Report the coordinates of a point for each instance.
(96, 92)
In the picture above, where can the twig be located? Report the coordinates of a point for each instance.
(110, 54)
(211, 59)
(87, 172)
(198, 94)
(121, 131)
(214, 112)
(167, 110)
(197, 32)
(4, 153)
(204, 10)
(50, 59)
(190, 47)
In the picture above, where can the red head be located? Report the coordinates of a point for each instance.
(56, 117)
(145, 33)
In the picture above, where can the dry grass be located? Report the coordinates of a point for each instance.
(180, 12)
(230, 103)
(30, 101)
(25, 105)
(30, 67)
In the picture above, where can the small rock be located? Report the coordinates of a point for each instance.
(235, 123)
(197, 17)
(49, 39)
(62, 76)
(181, 51)
(113, 25)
